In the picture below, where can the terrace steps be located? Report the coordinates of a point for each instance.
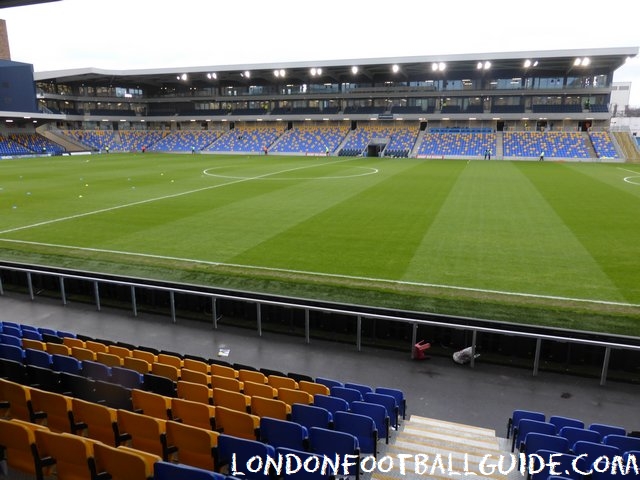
(452, 450)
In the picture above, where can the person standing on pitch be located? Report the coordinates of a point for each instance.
(541, 156)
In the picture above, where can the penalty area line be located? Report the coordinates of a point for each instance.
(328, 275)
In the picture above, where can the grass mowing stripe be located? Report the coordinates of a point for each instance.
(372, 233)
(604, 218)
(495, 232)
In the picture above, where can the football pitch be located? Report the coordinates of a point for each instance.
(505, 240)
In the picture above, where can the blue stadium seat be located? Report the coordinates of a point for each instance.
(283, 433)
(311, 415)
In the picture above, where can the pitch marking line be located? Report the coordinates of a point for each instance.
(165, 197)
(628, 179)
(328, 275)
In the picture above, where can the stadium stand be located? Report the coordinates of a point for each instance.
(553, 144)
(457, 142)
(603, 145)
(246, 138)
(308, 139)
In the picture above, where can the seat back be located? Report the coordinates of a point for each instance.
(360, 387)
(255, 389)
(573, 434)
(283, 433)
(122, 352)
(179, 471)
(360, 426)
(97, 421)
(561, 422)
(270, 407)
(604, 429)
(113, 395)
(96, 370)
(571, 465)
(592, 453)
(226, 383)
(159, 384)
(12, 352)
(164, 370)
(230, 399)
(19, 399)
(127, 377)
(311, 416)
(109, 359)
(623, 442)
(33, 343)
(39, 358)
(398, 395)
(170, 360)
(331, 442)
(277, 382)
(138, 364)
(43, 378)
(195, 376)
(97, 347)
(518, 415)
(329, 382)
(65, 363)
(241, 449)
(147, 356)
(17, 439)
(13, 370)
(195, 446)
(197, 414)
(29, 334)
(388, 402)
(291, 396)
(302, 473)
(252, 376)
(348, 394)
(73, 342)
(379, 415)
(237, 424)
(72, 453)
(124, 463)
(78, 386)
(526, 426)
(6, 339)
(195, 392)
(313, 388)
(146, 433)
(332, 404)
(55, 406)
(152, 404)
(83, 353)
(535, 441)
(224, 371)
(196, 365)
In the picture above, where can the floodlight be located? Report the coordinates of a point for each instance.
(577, 62)
(183, 77)
(313, 71)
(586, 61)
(479, 66)
(442, 66)
(354, 69)
(395, 68)
(487, 65)
(527, 63)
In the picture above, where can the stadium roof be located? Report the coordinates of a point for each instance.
(550, 63)
(22, 3)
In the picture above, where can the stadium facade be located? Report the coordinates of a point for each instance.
(536, 91)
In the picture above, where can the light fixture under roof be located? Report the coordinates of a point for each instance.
(395, 68)
(354, 69)
(212, 76)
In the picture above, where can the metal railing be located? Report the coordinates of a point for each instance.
(360, 313)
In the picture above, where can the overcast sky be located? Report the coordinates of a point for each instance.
(134, 34)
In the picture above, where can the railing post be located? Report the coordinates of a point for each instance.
(259, 318)
(1, 288)
(473, 348)
(96, 294)
(359, 333)
(536, 358)
(172, 301)
(214, 312)
(63, 293)
(307, 328)
(414, 338)
(134, 304)
(30, 284)
(605, 365)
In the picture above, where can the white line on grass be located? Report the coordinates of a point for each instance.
(165, 197)
(329, 275)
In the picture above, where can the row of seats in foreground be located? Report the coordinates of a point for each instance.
(263, 432)
(574, 445)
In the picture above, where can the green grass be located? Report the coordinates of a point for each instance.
(550, 243)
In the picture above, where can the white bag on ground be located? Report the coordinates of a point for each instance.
(464, 356)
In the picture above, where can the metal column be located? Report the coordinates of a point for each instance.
(605, 365)
(473, 348)
(359, 333)
(307, 328)
(30, 283)
(63, 293)
(414, 337)
(96, 293)
(259, 319)
(214, 312)
(536, 358)
(172, 301)
(134, 304)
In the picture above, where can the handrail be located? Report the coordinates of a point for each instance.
(474, 325)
